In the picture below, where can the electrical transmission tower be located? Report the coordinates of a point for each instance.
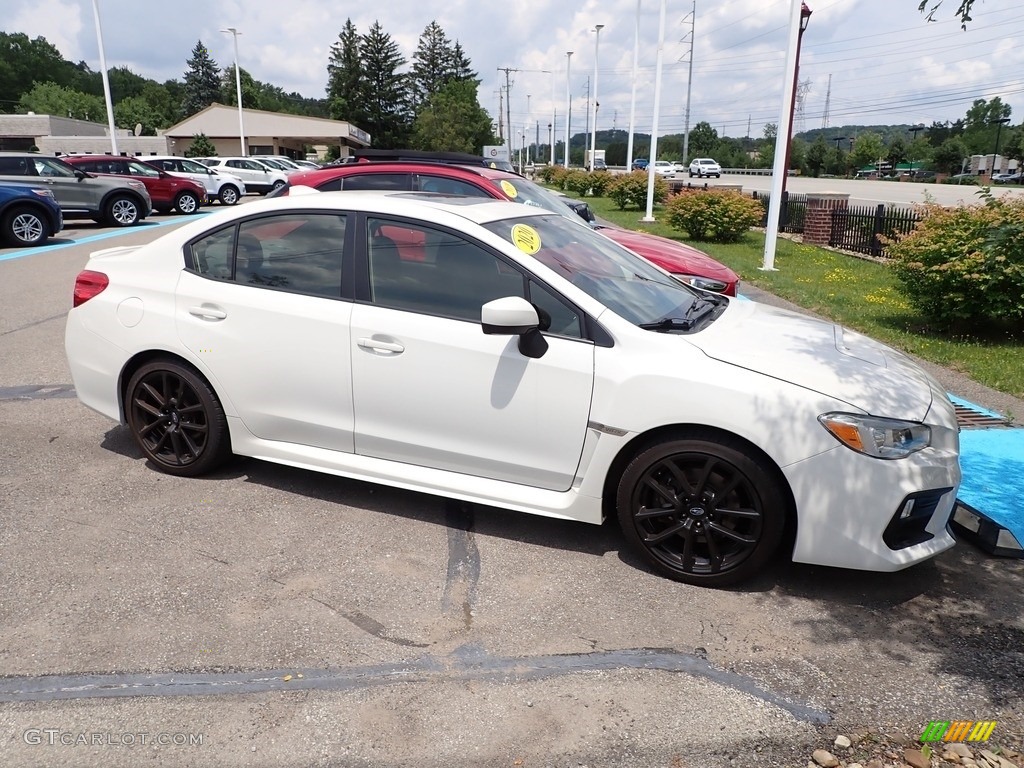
(802, 89)
(828, 101)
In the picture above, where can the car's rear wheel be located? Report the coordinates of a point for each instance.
(703, 512)
(186, 203)
(176, 419)
(23, 227)
(277, 185)
(122, 211)
(228, 195)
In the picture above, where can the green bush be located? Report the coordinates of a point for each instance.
(963, 267)
(721, 216)
(630, 190)
(547, 173)
(599, 183)
(577, 182)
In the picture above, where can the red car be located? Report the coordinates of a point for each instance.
(459, 174)
(167, 192)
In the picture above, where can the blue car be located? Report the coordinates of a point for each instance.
(28, 215)
(640, 164)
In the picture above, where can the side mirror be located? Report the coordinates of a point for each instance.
(81, 174)
(515, 316)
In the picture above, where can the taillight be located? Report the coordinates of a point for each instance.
(89, 284)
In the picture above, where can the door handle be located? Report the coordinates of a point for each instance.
(378, 345)
(207, 313)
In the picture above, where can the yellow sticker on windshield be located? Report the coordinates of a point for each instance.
(509, 188)
(526, 238)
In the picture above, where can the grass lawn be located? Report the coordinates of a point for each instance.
(857, 293)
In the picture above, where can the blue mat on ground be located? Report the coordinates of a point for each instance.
(992, 461)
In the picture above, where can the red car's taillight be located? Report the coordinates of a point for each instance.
(89, 284)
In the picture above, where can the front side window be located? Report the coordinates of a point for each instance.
(191, 166)
(141, 169)
(48, 167)
(299, 252)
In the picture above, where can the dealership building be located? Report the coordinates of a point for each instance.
(266, 133)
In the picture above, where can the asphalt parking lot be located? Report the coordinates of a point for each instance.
(273, 616)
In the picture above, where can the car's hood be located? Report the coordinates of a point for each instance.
(820, 356)
(670, 255)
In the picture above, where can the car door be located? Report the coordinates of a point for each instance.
(260, 306)
(199, 174)
(431, 389)
(72, 192)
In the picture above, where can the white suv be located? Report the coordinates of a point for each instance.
(257, 176)
(705, 166)
(219, 185)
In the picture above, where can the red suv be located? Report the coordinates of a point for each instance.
(168, 192)
(458, 174)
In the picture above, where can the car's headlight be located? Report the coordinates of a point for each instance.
(43, 193)
(137, 185)
(704, 283)
(880, 438)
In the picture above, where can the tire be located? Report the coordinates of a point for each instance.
(277, 185)
(691, 174)
(176, 419)
(703, 512)
(24, 227)
(228, 195)
(187, 203)
(122, 211)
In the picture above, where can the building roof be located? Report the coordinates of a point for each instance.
(220, 121)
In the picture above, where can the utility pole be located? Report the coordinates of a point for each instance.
(587, 131)
(501, 119)
(508, 101)
(689, 86)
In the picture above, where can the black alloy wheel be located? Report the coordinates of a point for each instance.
(701, 512)
(176, 419)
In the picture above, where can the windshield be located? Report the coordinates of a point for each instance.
(619, 279)
(525, 191)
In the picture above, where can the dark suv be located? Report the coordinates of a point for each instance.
(118, 202)
(167, 192)
(446, 173)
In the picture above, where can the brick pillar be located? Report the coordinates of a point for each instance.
(818, 219)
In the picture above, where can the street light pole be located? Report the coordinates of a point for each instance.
(632, 98)
(106, 80)
(805, 17)
(238, 89)
(593, 136)
(999, 127)
(568, 103)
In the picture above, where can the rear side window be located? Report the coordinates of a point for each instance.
(394, 181)
(299, 252)
(16, 166)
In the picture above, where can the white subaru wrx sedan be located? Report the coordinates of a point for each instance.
(512, 357)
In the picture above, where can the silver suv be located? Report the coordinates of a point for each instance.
(117, 202)
(219, 185)
(705, 166)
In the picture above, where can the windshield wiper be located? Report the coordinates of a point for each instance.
(696, 312)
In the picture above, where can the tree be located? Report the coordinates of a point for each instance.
(816, 156)
(868, 149)
(135, 110)
(703, 139)
(53, 99)
(202, 83)
(125, 83)
(431, 64)
(201, 146)
(979, 127)
(346, 87)
(250, 89)
(949, 156)
(24, 62)
(387, 93)
(897, 152)
(771, 131)
(453, 121)
(963, 11)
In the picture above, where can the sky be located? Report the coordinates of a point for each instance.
(887, 64)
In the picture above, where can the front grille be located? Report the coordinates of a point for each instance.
(908, 524)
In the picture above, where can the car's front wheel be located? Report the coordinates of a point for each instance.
(277, 185)
(176, 419)
(228, 195)
(186, 203)
(24, 227)
(122, 211)
(704, 512)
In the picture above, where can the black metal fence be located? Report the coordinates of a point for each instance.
(791, 214)
(866, 229)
